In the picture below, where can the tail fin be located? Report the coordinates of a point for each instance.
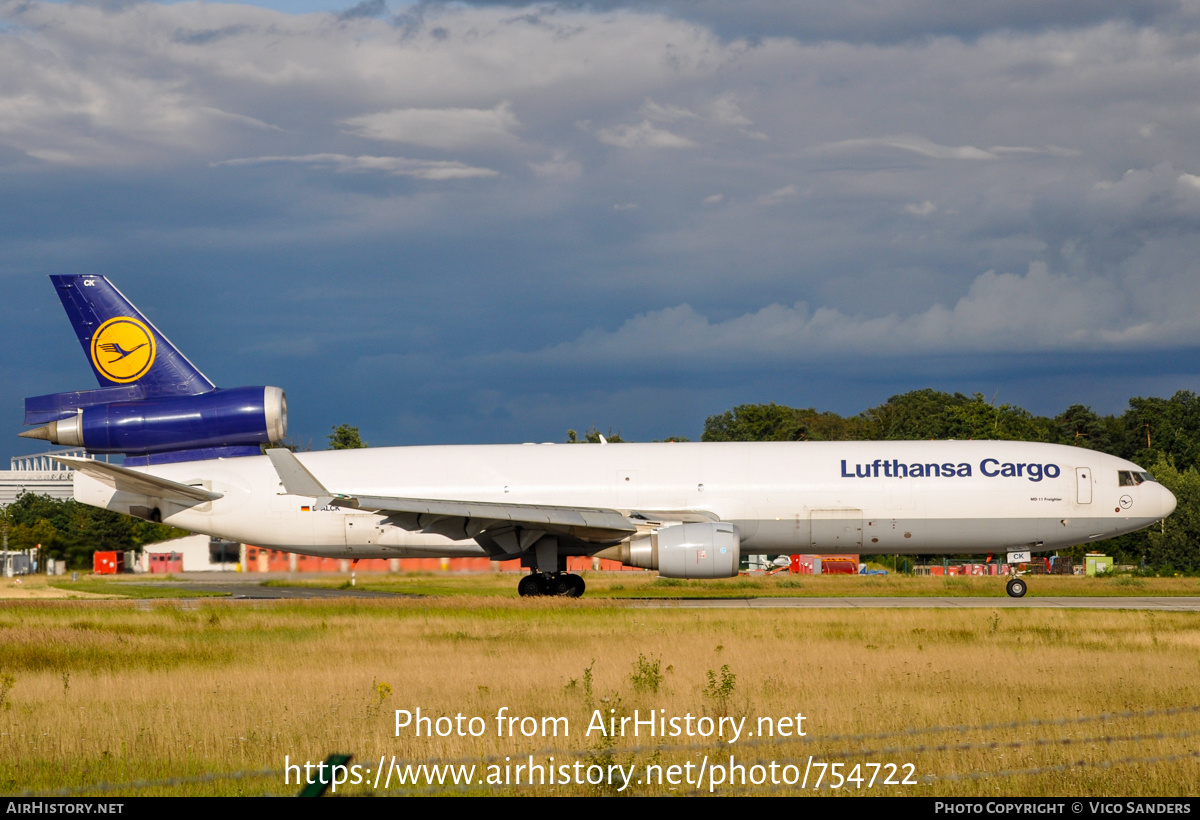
(123, 347)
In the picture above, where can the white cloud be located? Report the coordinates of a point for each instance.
(713, 199)
(666, 113)
(920, 208)
(558, 168)
(1190, 181)
(1050, 150)
(1001, 313)
(642, 135)
(396, 166)
(451, 128)
(721, 112)
(150, 83)
(779, 195)
(909, 142)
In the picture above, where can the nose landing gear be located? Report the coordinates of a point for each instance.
(1017, 588)
(557, 583)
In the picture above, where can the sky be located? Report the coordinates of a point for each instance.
(491, 222)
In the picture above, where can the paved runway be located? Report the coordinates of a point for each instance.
(253, 590)
(1166, 604)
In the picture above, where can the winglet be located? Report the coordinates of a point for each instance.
(296, 478)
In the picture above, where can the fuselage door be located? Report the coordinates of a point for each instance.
(1083, 477)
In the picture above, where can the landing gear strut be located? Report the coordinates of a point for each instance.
(1017, 588)
(558, 583)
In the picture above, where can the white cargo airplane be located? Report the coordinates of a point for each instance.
(688, 510)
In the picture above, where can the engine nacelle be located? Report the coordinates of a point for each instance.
(240, 416)
(686, 551)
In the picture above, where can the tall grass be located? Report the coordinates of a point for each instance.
(650, 585)
(124, 691)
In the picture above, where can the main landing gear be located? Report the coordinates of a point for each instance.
(1017, 587)
(558, 583)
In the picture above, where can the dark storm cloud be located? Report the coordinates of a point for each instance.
(881, 21)
(367, 8)
(490, 223)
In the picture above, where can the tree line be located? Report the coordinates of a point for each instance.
(70, 531)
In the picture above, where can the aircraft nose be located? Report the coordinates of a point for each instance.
(1168, 501)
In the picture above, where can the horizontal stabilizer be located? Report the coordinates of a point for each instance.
(131, 481)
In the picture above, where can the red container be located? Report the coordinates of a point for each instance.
(108, 563)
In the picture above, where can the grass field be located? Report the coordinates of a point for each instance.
(629, 585)
(95, 692)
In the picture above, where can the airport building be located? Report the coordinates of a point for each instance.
(191, 553)
(39, 474)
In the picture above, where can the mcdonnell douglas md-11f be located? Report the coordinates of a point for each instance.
(689, 510)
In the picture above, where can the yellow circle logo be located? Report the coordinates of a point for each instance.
(123, 349)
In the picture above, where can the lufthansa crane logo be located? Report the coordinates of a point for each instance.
(123, 349)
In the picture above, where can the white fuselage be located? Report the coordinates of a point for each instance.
(787, 497)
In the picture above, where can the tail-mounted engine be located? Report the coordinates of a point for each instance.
(231, 421)
(153, 405)
(685, 551)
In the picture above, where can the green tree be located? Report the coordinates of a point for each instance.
(345, 437)
(1171, 426)
(70, 531)
(752, 422)
(289, 443)
(930, 414)
(1081, 427)
(1176, 542)
(777, 422)
(592, 436)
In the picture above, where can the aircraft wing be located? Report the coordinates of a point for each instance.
(462, 519)
(131, 481)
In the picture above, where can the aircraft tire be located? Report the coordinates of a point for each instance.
(577, 586)
(1017, 588)
(529, 587)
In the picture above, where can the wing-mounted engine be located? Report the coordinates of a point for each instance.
(684, 551)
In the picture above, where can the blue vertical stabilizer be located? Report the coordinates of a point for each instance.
(122, 346)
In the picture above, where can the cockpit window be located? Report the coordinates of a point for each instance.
(1129, 478)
